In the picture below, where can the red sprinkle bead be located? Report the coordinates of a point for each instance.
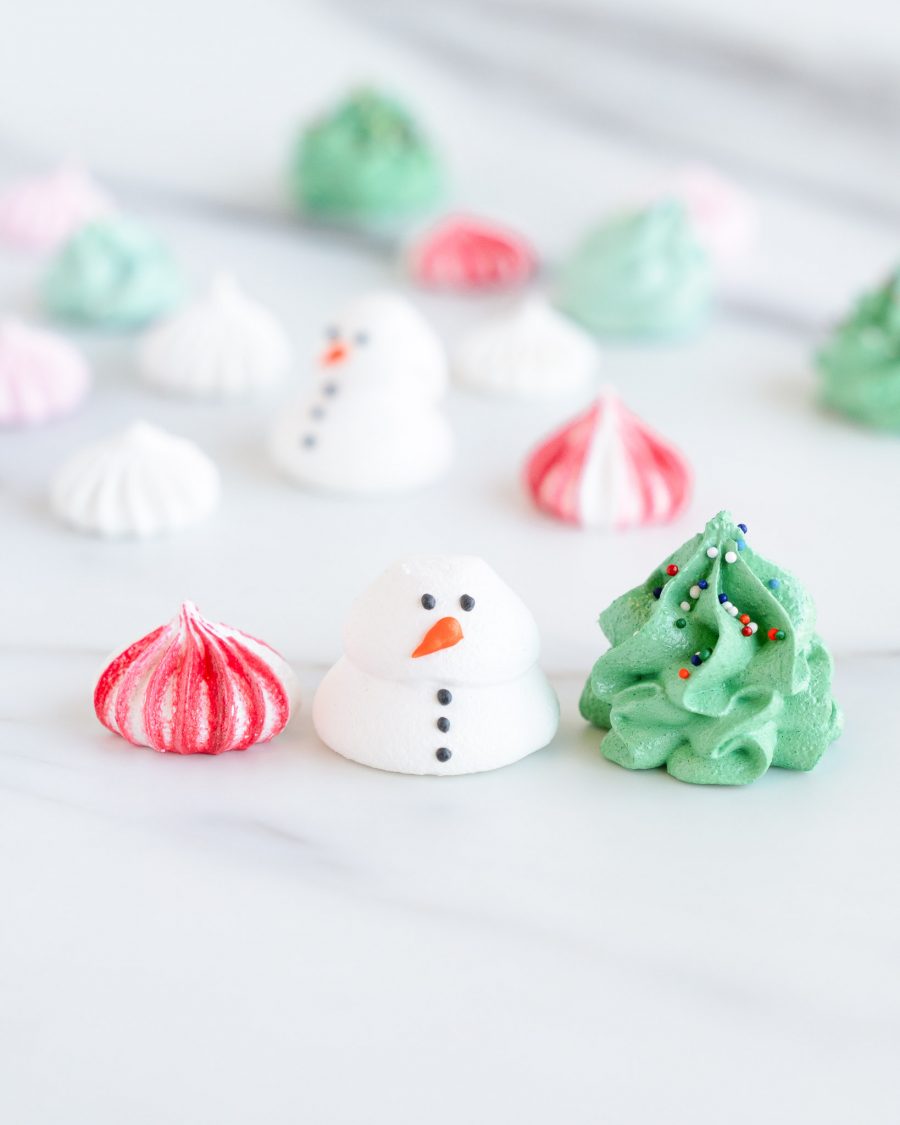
(671, 570)
(684, 673)
(744, 619)
(772, 634)
(747, 631)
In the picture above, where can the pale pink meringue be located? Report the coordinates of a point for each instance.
(41, 375)
(42, 212)
(725, 218)
(607, 469)
(462, 252)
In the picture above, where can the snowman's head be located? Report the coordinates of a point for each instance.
(446, 619)
(379, 342)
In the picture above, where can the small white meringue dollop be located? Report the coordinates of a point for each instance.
(138, 483)
(531, 351)
(222, 346)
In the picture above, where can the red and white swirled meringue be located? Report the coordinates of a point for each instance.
(41, 375)
(464, 253)
(607, 469)
(195, 687)
(42, 212)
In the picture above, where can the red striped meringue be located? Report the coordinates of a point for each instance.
(42, 212)
(194, 687)
(463, 252)
(607, 469)
(41, 375)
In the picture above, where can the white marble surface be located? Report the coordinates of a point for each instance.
(283, 936)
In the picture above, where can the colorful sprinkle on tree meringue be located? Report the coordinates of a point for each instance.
(713, 671)
(607, 469)
(41, 375)
(195, 687)
(465, 253)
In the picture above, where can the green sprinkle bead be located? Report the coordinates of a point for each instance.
(680, 623)
(705, 653)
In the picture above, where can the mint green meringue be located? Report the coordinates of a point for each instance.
(641, 274)
(747, 702)
(114, 274)
(368, 158)
(860, 364)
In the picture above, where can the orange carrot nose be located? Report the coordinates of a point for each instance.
(335, 354)
(443, 634)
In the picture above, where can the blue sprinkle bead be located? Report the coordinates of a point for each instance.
(723, 598)
(657, 590)
(773, 583)
(695, 659)
(743, 527)
(741, 545)
(703, 584)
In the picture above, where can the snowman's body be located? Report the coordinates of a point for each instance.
(396, 728)
(440, 674)
(373, 423)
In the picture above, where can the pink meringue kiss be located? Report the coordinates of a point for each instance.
(194, 687)
(42, 212)
(607, 469)
(41, 375)
(463, 253)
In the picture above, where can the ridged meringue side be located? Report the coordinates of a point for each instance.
(195, 687)
(607, 469)
(41, 375)
(462, 252)
(223, 345)
(642, 274)
(531, 351)
(114, 274)
(39, 213)
(140, 482)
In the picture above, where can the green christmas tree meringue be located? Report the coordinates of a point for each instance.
(641, 274)
(715, 670)
(860, 364)
(367, 159)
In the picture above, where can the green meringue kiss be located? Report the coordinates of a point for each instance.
(367, 159)
(716, 696)
(860, 364)
(641, 274)
(114, 274)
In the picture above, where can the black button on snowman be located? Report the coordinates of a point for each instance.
(470, 675)
(373, 423)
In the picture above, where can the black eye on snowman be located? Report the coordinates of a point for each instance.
(361, 338)
(467, 602)
(428, 601)
(332, 332)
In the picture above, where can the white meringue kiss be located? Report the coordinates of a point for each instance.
(222, 346)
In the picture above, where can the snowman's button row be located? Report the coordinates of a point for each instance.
(318, 413)
(443, 753)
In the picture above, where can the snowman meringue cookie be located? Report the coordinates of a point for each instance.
(195, 687)
(531, 351)
(222, 346)
(373, 423)
(439, 675)
(138, 483)
(41, 375)
(607, 469)
(41, 212)
(112, 274)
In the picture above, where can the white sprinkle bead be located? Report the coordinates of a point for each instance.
(712, 552)
(752, 626)
(686, 606)
(733, 610)
(695, 591)
(726, 605)
(730, 556)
